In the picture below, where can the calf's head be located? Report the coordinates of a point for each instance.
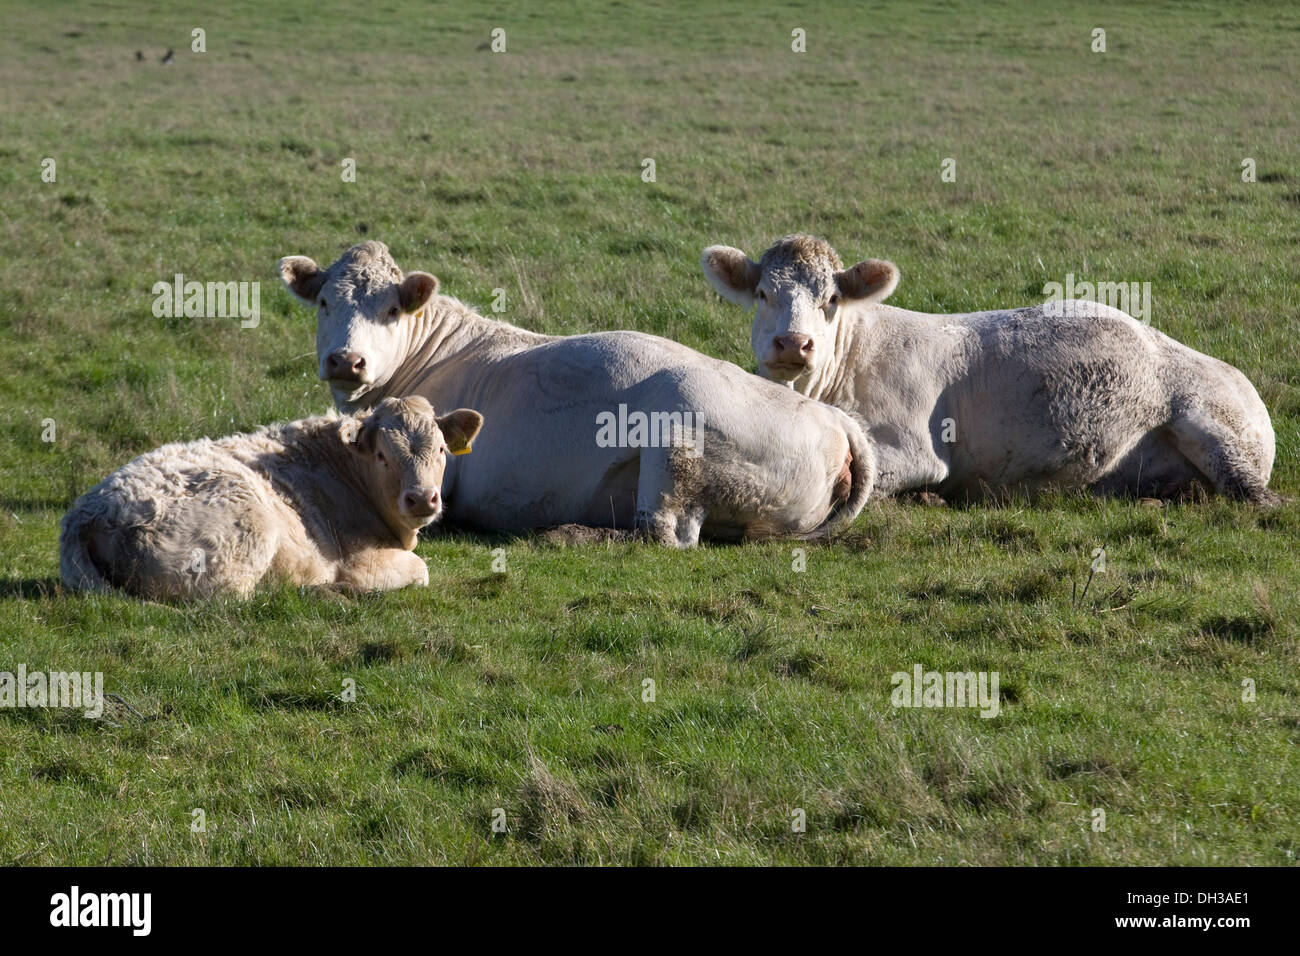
(363, 303)
(799, 288)
(404, 448)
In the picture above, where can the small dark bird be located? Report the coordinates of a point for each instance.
(168, 57)
(138, 56)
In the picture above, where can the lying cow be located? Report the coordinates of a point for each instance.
(1069, 394)
(321, 501)
(744, 458)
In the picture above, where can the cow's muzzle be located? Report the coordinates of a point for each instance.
(342, 365)
(420, 503)
(790, 356)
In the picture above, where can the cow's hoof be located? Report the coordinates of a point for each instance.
(1268, 499)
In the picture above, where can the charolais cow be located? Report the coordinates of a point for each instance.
(1072, 394)
(612, 429)
(327, 500)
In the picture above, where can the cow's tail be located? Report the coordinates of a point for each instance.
(862, 478)
(76, 564)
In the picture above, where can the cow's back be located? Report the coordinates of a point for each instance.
(540, 459)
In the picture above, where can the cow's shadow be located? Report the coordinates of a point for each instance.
(561, 535)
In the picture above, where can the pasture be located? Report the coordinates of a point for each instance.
(516, 681)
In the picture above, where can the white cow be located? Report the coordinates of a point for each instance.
(615, 429)
(324, 500)
(1069, 394)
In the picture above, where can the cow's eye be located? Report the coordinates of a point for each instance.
(393, 312)
(324, 304)
(762, 296)
(379, 457)
(835, 299)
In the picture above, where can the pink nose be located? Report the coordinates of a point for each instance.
(342, 364)
(420, 501)
(794, 349)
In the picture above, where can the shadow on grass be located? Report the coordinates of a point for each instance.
(1247, 629)
(282, 698)
(27, 589)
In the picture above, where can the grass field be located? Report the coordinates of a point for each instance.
(523, 690)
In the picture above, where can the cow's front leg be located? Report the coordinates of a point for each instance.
(382, 569)
(905, 463)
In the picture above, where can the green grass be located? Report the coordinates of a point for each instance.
(523, 690)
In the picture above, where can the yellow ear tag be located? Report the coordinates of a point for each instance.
(463, 451)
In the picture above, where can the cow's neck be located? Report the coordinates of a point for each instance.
(445, 330)
(831, 382)
(321, 442)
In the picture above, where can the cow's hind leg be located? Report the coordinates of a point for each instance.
(668, 510)
(220, 557)
(1223, 456)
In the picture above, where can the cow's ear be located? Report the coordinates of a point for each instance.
(459, 429)
(871, 280)
(302, 277)
(348, 426)
(416, 290)
(732, 273)
(359, 433)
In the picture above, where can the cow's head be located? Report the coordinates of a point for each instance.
(404, 449)
(800, 288)
(360, 302)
